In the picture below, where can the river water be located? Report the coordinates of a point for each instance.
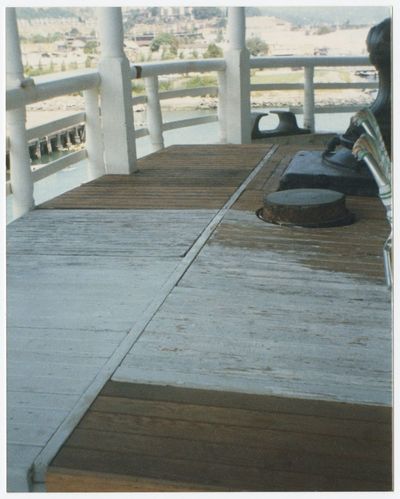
(77, 174)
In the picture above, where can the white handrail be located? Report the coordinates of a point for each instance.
(176, 67)
(256, 87)
(50, 127)
(171, 125)
(58, 164)
(189, 92)
(49, 86)
(304, 61)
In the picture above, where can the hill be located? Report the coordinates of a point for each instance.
(306, 16)
(52, 12)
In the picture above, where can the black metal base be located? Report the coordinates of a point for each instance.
(287, 126)
(308, 169)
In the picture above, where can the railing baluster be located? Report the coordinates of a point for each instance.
(154, 115)
(237, 76)
(116, 94)
(20, 163)
(222, 107)
(94, 139)
(309, 100)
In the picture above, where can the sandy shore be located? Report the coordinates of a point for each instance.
(267, 99)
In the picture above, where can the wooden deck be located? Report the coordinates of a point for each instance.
(158, 438)
(164, 293)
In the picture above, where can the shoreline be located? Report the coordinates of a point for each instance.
(272, 99)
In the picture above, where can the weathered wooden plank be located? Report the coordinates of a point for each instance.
(69, 326)
(106, 233)
(67, 480)
(311, 359)
(175, 178)
(67, 357)
(52, 368)
(113, 305)
(276, 290)
(284, 383)
(243, 417)
(43, 401)
(32, 426)
(23, 415)
(17, 454)
(231, 477)
(230, 453)
(46, 384)
(283, 338)
(88, 346)
(278, 163)
(142, 198)
(29, 434)
(249, 401)
(238, 435)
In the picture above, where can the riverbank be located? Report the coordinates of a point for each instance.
(259, 99)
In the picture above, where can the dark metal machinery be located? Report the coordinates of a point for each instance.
(337, 168)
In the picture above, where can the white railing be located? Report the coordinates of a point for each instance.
(150, 72)
(309, 63)
(44, 88)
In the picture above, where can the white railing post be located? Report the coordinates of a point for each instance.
(154, 115)
(20, 163)
(94, 140)
(222, 106)
(237, 76)
(309, 98)
(116, 94)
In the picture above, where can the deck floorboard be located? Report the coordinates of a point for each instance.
(293, 318)
(166, 438)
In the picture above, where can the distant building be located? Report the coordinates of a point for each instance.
(77, 44)
(144, 40)
(176, 11)
(321, 51)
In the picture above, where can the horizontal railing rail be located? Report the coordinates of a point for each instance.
(177, 67)
(51, 127)
(308, 61)
(47, 87)
(200, 120)
(59, 164)
(256, 87)
(189, 92)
